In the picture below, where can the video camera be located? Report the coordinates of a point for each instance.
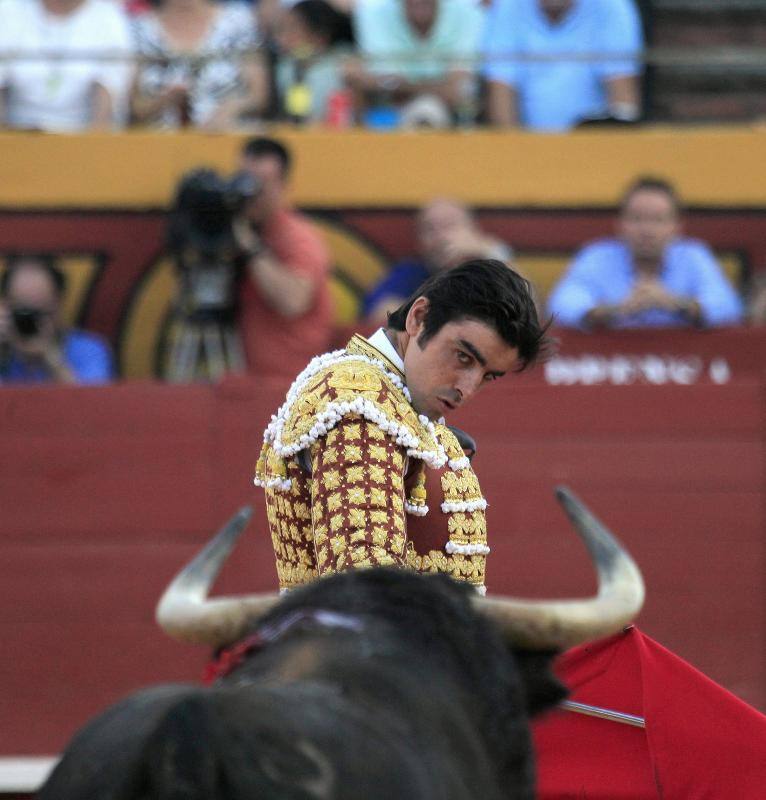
(27, 321)
(201, 238)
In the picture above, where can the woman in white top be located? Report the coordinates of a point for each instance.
(65, 65)
(199, 65)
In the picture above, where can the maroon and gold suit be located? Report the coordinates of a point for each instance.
(354, 477)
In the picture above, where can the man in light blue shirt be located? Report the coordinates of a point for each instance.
(649, 276)
(538, 64)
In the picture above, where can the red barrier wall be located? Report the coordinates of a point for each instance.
(106, 492)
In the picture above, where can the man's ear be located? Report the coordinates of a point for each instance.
(415, 322)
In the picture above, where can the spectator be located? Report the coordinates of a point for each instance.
(46, 88)
(308, 70)
(647, 277)
(270, 12)
(527, 88)
(285, 310)
(201, 66)
(419, 56)
(35, 345)
(447, 234)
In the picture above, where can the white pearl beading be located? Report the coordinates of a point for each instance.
(280, 484)
(416, 511)
(467, 549)
(481, 589)
(479, 504)
(456, 464)
(334, 412)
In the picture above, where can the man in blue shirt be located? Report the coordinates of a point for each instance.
(540, 65)
(649, 276)
(447, 235)
(34, 345)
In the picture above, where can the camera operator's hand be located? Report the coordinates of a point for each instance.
(246, 237)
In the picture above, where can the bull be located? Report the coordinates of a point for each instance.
(372, 684)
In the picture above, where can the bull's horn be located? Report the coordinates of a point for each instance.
(560, 624)
(185, 612)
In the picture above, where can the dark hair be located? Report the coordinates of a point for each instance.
(650, 183)
(45, 262)
(320, 18)
(485, 290)
(263, 146)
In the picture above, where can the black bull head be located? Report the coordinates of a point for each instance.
(375, 684)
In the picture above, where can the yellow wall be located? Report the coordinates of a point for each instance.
(710, 166)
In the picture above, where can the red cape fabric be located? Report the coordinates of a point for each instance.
(700, 741)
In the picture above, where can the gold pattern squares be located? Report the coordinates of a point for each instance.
(357, 517)
(355, 474)
(358, 536)
(379, 536)
(331, 479)
(378, 497)
(352, 452)
(330, 455)
(338, 544)
(378, 474)
(336, 522)
(378, 453)
(359, 554)
(396, 460)
(334, 501)
(378, 517)
(352, 433)
(356, 495)
(398, 503)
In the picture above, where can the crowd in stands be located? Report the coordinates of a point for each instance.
(548, 65)
(647, 276)
(68, 65)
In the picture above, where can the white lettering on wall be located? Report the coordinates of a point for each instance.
(624, 370)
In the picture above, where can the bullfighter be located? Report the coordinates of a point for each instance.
(358, 464)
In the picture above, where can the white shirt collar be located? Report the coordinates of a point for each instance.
(380, 341)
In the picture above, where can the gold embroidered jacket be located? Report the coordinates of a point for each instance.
(350, 470)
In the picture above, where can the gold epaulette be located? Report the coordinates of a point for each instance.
(350, 382)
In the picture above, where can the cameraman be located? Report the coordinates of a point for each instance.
(285, 312)
(34, 345)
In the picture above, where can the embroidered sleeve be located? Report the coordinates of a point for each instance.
(357, 497)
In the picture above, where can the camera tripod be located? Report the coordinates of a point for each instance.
(203, 349)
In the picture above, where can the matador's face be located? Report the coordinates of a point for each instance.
(452, 366)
